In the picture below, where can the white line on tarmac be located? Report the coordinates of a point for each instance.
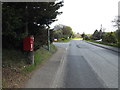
(58, 73)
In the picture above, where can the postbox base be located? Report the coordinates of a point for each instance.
(31, 57)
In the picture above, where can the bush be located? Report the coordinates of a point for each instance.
(109, 38)
(86, 37)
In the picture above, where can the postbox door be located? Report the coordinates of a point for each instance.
(28, 44)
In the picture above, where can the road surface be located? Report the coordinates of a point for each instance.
(86, 66)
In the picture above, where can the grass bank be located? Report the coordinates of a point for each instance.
(15, 70)
(40, 56)
(108, 44)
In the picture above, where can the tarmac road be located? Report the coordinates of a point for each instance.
(86, 66)
(77, 64)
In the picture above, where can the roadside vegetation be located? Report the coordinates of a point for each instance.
(41, 55)
(109, 44)
(16, 69)
(21, 20)
(106, 38)
(62, 33)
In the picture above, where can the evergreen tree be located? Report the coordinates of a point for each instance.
(36, 16)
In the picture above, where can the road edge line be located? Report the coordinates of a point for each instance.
(59, 71)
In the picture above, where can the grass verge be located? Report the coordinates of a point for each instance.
(40, 56)
(15, 70)
(108, 44)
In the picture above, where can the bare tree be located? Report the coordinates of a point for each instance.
(116, 22)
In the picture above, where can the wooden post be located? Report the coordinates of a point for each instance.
(48, 38)
(31, 57)
(31, 52)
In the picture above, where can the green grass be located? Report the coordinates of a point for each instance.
(108, 44)
(40, 56)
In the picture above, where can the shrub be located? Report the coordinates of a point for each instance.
(109, 38)
(86, 37)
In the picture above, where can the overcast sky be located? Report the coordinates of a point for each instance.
(88, 15)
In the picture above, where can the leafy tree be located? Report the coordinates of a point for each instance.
(36, 16)
(77, 35)
(83, 35)
(58, 34)
(100, 34)
(97, 35)
(67, 32)
(64, 32)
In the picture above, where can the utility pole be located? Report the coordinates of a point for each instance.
(48, 38)
(26, 27)
(31, 52)
(48, 32)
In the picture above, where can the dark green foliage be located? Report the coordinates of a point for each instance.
(100, 34)
(109, 38)
(37, 16)
(67, 32)
(51, 35)
(58, 34)
(40, 38)
(95, 35)
(87, 37)
(83, 35)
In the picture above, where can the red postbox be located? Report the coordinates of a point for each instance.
(28, 43)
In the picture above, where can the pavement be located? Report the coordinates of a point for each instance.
(45, 75)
